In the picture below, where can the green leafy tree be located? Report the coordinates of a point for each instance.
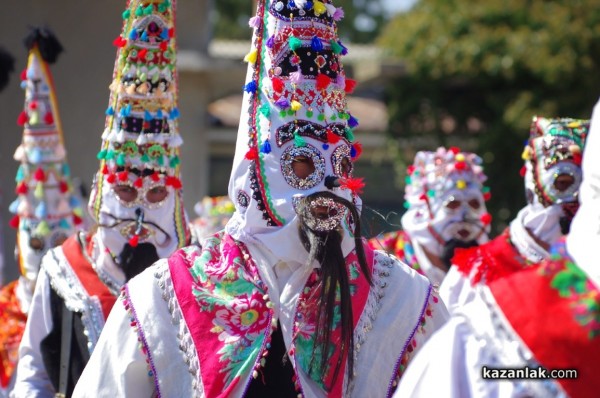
(478, 71)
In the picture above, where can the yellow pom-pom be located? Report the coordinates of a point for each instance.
(461, 184)
(251, 57)
(42, 229)
(34, 118)
(319, 8)
(295, 105)
(459, 157)
(78, 212)
(526, 155)
(39, 191)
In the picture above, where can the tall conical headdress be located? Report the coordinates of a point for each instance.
(294, 110)
(46, 211)
(140, 143)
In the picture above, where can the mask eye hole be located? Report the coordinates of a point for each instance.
(125, 193)
(157, 194)
(303, 166)
(36, 243)
(346, 167)
(563, 182)
(453, 204)
(474, 204)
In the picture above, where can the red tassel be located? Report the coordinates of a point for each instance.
(22, 119)
(138, 183)
(48, 118)
(155, 176)
(39, 174)
(356, 185)
(523, 171)
(33, 105)
(410, 169)
(111, 178)
(350, 86)
(22, 188)
(123, 175)
(252, 154)
(577, 159)
(104, 169)
(487, 196)
(332, 137)
(423, 197)
(76, 219)
(358, 149)
(278, 84)
(486, 218)
(24, 74)
(133, 242)
(454, 149)
(323, 81)
(173, 182)
(163, 45)
(142, 54)
(120, 42)
(63, 186)
(14, 222)
(171, 33)
(460, 165)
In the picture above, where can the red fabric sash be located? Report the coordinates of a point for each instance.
(12, 325)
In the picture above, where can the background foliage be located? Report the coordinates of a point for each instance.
(478, 71)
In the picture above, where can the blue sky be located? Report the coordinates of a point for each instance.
(398, 5)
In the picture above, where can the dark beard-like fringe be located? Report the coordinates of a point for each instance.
(326, 248)
(133, 260)
(451, 246)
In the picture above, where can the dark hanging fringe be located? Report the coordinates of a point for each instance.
(49, 46)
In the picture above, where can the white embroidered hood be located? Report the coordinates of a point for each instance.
(136, 195)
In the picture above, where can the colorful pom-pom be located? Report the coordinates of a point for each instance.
(266, 147)
(294, 43)
(14, 222)
(323, 81)
(252, 154)
(350, 85)
(332, 137)
(278, 84)
(250, 88)
(22, 119)
(316, 44)
(251, 57)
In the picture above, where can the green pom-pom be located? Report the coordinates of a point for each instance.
(407, 180)
(148, 10)
(43, 229)
(110, 155)
(406, 205)
(282, 113)
(309, 113)
(294, 43)
(139, 11)
(299, 140)
(290, 112)
(333, 117)
(265, 110)
(126, 14)
(431, 193)
(335, 47)
(145, 158)
(121, 159)
(485, 189)
(349, 134)
(160, 161)
(162, 7)
(321, 117)
(174, 162)
(102, 154)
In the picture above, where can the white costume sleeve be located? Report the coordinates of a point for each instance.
(117, 367)
(455, 290)
(32, 379)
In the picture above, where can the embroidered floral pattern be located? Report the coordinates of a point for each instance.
(398, 244)
(13, 321)
(574, 285)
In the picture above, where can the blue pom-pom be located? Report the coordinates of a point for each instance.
(24, 84)
(147, 116)
(66, 170)
(14, 206)
(128, 110)
(250, 87)
(159, 114)
(164, 34)
(325, 146)
(352, 152)
(316, 44)
(110, 111)
(20, 174)
(133, 35)
(309, 5)
(41, 211)
(144, 36)
(291, 4)
(64, 224)
(352, 122)
(36, 155)
(174, 114)
(74, 202)
(266, 147)
(271, 41)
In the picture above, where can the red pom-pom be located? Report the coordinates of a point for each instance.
(104, 169)
(486, 218)
(163, 45)
(123, 175)
(33, 105)
(155, 176)
(357, 150)
(134, 240)
(24, 74)
(350, 86)
(577, 159)
(173, 182)
(410, 169)
(523, 171)
(332, 137)
(278, 84)
(252, 154)
(171, 32)
(460, 165)
(487, 196)
(356, 185)
(111, 178)
(423, 197)
(323, 81)
(455, 150)
(22, 188)
(48, 118)
(138, 183)
(14, 222)
(76, 219)
(63, 186)
(39, 174)
(22, 119)
(119, 42)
